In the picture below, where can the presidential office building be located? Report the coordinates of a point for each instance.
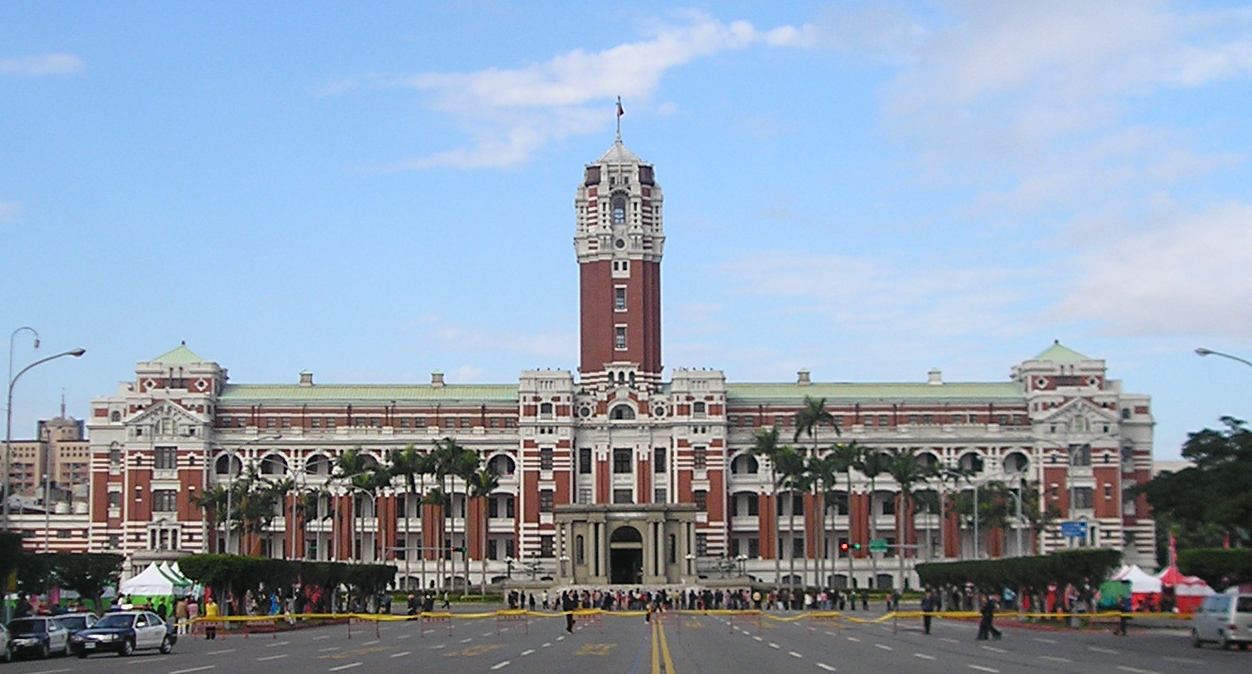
(614, 474)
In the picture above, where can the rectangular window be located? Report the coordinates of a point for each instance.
(623, 496)
(584, 460)
(619, 298)
(621, 461)
(754, 547)
(619, 337)
(702, 499)
(658, 460)
(1082, 497)
(659, 495)
(166, 458)
(546, 546)
(545, 500)
(702, 545)
(797, 547)
(884, 420)
(315, 422)
(115, 499)
(545, 458)
(1080, 455)
(164, 500)
(754, 505)
(699, 457)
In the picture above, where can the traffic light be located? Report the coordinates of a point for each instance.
(843, 546)
(856, 546)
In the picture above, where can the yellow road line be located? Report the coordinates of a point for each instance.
(669, 662)
(656, 650)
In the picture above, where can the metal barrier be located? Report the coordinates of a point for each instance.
(511, 617)
(444, 619)
(752, 618)
(825, 619)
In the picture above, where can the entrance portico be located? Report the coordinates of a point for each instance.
(646, 544)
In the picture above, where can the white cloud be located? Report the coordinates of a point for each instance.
(1186, 274)
(40, 65)
(510, 113)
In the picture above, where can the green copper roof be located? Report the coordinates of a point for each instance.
(1061, 354)
(181, 355)
(867, 393)
(236, 394)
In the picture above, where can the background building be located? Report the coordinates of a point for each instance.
(614, 474)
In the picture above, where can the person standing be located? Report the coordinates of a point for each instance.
(928, 606)
(210, 615)
(180, 616)
(568, 604)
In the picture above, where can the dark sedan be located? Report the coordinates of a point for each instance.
(75, 622)
(125, 632)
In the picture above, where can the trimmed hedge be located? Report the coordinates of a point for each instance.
(1085, 566)
(1219, 567)
(259, 574)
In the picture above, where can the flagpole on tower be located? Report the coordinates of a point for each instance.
(620, 112)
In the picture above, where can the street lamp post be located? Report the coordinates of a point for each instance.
(8, 416)
(230, 476)
(1209, 352)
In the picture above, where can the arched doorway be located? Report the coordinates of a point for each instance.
(626, 556)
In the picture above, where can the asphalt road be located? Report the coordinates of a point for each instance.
(678, 645)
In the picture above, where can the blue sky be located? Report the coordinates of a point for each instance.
(373, 191)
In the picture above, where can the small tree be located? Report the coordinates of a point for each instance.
(87, 573)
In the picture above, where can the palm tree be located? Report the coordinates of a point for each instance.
(955, 475)
(482, 483)
(455, 461)
(823, 472)
(847, 456)
(905, 468)
(872, 464)
(363, 474)
(766, 445)
(407, 464)
(811, 418)
(791, 474)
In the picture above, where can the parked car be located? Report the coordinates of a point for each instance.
(6, 655)
(1225, 619)
(76, 622)
(39, 636)
(124, 632)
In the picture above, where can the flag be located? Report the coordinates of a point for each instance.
(1173, 550)
(620, 111)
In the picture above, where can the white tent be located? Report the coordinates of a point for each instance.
(1141, 582)
(151, 582)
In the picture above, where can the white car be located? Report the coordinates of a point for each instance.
(1225, 619)
(6, 655)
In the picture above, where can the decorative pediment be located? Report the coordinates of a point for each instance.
(167, 419)
(1080, 416)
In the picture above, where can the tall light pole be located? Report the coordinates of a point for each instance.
(1209, 352)
(8, 416)
(230, 476)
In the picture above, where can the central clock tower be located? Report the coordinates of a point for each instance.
(619, 242)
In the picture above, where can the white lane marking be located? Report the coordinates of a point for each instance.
(280, 656)
(487, 634)
(277, 643)
(1185, 661)
(923, 656)
(825, 666)
(794, 654)
(993, 649)
(949, 640)
(371, 643)
(500, 665)
(401, 654)
(985, 669)
(885, 647)
(773, 645)
(404, 636)
(328, 649)
(1046, 641)
(322, 636)
(759, 638)
(1136, 670)
(561, 638)
(50, 671)
(466, 640)
(1054, 658)
(854, 639)
(830, 634)
(546, 645)
(224, 650)
(340, 668)
(192, 669)
(528, 651)
(1097, 649)
(437, 646)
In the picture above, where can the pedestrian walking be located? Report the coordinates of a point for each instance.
(986, 628)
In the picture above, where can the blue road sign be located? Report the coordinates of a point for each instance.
(1074, 529)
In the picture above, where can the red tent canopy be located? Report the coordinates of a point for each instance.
(1189, 591)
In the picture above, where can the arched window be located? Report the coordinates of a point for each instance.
(619, 209)
(622, 412)
(273, 464)
(545, 410)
